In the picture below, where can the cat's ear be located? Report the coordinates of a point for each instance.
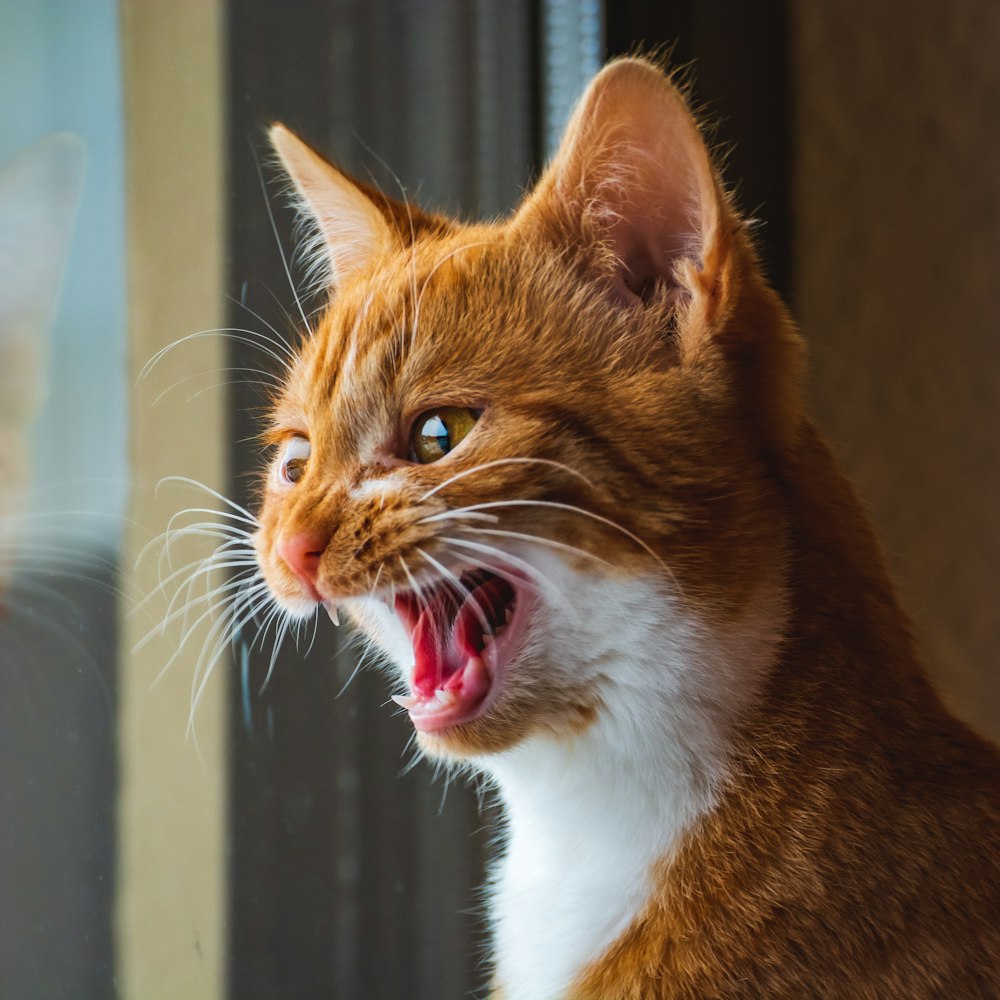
(352, 227)
(633, 179)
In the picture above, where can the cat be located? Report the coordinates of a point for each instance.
(39, 192)
(560, 470)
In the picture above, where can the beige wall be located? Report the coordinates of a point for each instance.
(170, 893)
(897, 246)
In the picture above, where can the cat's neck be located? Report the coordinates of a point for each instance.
(593, 820)
(585, 828)
(589, 817)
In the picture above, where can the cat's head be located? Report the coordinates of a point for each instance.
(511, 451)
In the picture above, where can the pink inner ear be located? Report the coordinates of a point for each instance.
(647, 247)
(633, 174)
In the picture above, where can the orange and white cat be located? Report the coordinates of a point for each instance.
(559, 469)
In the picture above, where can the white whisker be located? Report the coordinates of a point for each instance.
(225, 527)
(355, 671)
(504, 461)
(193, 602)
(279, 638)
(200, 567)
(259, 638)
(247, 516)
(414, 586)
(539, 540)
(228, 636)
(235, 333)
(418, 755)
(278, 340)
(459, 513)
(198, 686)
(540, 581)
(378, 574)
(189, 605)
(461, 590)
(270, 380)
(277, 240)
(230, 548)
(553, 505)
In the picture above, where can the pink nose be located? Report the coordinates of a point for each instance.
(302, 554)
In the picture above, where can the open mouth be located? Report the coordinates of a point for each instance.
(462, 638)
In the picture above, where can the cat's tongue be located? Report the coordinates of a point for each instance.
(451, 676)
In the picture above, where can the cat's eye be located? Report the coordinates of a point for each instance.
(293, 460)
(438, 431)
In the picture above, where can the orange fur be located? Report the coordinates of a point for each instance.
(855, 852)
(632, 363)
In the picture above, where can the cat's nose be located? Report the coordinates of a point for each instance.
(302, 554)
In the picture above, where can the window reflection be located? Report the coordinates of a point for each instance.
(62, 492)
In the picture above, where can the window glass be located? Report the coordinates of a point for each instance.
(62, 491)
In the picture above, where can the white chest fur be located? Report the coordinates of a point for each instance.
(590, 816)
(584, 833)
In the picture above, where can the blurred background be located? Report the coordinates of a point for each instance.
(270, 842)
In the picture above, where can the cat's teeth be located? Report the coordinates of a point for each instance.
(331, 610)
(405, 700)
(446, 697)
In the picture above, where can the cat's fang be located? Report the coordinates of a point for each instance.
(331, 610)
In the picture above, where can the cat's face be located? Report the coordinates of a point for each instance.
(507, 451)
